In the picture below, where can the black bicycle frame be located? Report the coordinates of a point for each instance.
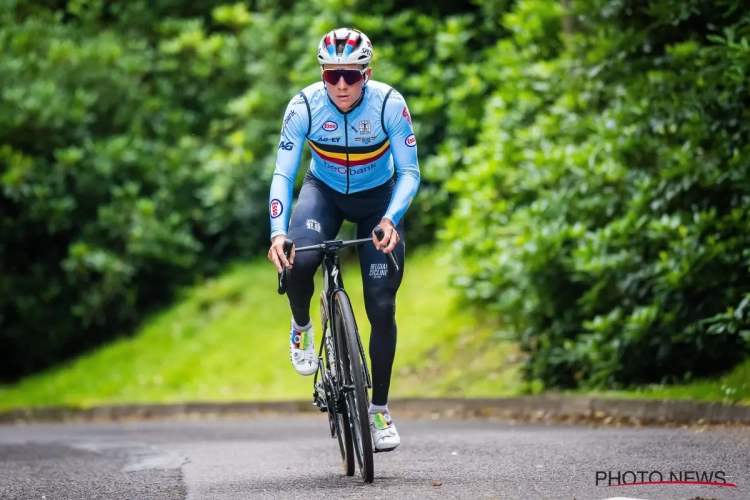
(332, 271)
(330, 250)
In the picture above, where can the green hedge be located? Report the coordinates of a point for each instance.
(137, 142)
(593, 164)
(605, 211)
(116, 184)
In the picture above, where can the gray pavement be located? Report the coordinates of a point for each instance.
(294, 457)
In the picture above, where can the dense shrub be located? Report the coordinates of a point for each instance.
(137, 142)
(114, 187)
(605, 211)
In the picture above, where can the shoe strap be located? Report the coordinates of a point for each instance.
(300, 340)
(382, 420)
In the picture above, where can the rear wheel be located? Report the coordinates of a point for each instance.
(353, 376)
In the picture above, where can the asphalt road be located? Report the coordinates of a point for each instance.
(293, 457)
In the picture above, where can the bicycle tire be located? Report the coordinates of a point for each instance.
(346, 444)
(343, 431)
(353, 374)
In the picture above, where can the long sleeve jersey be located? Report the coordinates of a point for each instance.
(351, 151)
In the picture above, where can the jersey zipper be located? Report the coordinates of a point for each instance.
(346, 145)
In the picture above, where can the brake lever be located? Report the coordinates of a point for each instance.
(282, 275)
(392, 267)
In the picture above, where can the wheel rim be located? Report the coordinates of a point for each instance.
(340, 437)
(356, 427)
(353, 413)
(353, 399)
(356, 433)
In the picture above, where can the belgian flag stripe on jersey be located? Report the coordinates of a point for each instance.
(358, 155)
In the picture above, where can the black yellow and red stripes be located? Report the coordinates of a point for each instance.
(358, 155)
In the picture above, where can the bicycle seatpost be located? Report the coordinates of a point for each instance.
(391, 268)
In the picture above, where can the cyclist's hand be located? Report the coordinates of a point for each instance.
(276, 253)
(390, 237)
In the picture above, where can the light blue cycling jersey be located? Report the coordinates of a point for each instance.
(350, 152)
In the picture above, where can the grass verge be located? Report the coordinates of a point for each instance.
(732, 387)
(228, 340)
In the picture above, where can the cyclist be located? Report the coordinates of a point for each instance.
(364, 170)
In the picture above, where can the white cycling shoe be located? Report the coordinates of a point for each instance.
(384, 434)
(302, 351)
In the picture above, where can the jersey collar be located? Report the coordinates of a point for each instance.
(356, 104)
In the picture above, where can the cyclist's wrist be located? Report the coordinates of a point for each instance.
(388, 218)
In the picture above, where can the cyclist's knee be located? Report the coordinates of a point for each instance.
(304, 266)
(380, 304)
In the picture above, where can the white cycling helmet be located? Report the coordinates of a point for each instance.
(345, 46)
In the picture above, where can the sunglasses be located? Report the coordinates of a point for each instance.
(351, 76)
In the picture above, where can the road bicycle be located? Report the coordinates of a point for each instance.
(344, 373)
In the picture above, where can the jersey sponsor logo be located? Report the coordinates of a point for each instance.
(405, 114)
(411, 141)
(365, 140)
(326, 139)
(330, 126)
(334, 168)
(352, 170)
(361, 170)
(288, 117)
(286, 146)
(313, 224)
(277, 208)
(365, 127)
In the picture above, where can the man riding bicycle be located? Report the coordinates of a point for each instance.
(360, 133)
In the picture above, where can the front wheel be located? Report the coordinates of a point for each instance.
(337, 419)
(352, 372)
